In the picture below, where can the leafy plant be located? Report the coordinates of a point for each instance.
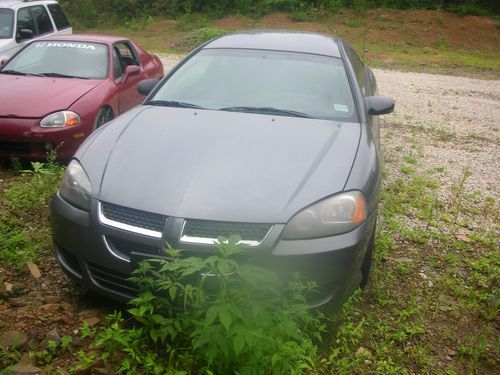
(213, 314)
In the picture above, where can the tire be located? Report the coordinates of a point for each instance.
(367, 262)
(104, 115)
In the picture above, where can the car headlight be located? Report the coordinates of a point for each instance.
(75, 186)
(334, 215)
(61, 119)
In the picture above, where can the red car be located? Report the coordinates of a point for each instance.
(57, 90)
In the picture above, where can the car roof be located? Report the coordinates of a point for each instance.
(108, 39)
(280, 40)
(14, 4)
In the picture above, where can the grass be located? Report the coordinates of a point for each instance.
(403, 47)
(21, 242)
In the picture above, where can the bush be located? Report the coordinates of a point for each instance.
(213, 315)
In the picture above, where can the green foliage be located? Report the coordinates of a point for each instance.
(213, 315)
(89, 13)
(20, 243)
(37, 185)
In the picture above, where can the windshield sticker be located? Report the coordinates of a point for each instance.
(341, 108)
(64, 45)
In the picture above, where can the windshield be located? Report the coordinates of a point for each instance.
(259, 81)
(6, 23)
(61, 59)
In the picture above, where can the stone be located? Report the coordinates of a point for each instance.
(50, 308)
(13, 339)
(51, 299)
(92, 321)
(35, 272)
(26, 366)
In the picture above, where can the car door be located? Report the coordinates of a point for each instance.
(124, 55)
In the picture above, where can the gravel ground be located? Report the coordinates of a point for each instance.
(443, 121)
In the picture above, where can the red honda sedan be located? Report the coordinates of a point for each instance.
(57, 90)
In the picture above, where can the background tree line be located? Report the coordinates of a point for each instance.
(93, 11)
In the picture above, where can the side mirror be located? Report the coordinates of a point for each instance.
(25, 34)
(131, 70)
(379, 105)
(146, 86)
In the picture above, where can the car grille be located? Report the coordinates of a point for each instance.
(214, 229)
(17, 147)
(113, 280)
(127, 247)
(133, 217)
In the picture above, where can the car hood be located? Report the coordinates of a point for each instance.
(218, 165)
(35, 97)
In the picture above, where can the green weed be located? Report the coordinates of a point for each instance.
(213, 315)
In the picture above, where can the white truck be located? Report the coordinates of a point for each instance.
(22, 21)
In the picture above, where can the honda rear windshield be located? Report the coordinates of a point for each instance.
(6, 23)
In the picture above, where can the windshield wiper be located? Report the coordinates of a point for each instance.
(17, 73)
(173, 103)
(59, 75)
(267, 111)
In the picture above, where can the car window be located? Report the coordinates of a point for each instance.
(126, 54)
(42, 20)
(220, 78)
(50, 58)
(25, 20)
(59, 17)
(359, 69)
(6, 23)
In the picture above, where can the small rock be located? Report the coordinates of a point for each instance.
(51, 299)
(52, 335)
(35, 272)
(451, 352)
(67, 306)
(13, 339)
(367, 362)
(92, 321)
(25, 366)
(19, 325)
(50, 307)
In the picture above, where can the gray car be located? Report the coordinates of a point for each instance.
(271, 135)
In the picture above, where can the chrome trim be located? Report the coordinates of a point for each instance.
(130, 228)
(213, 241)
(112, 252)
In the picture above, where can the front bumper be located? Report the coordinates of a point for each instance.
(24, 138)
(97, 255)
